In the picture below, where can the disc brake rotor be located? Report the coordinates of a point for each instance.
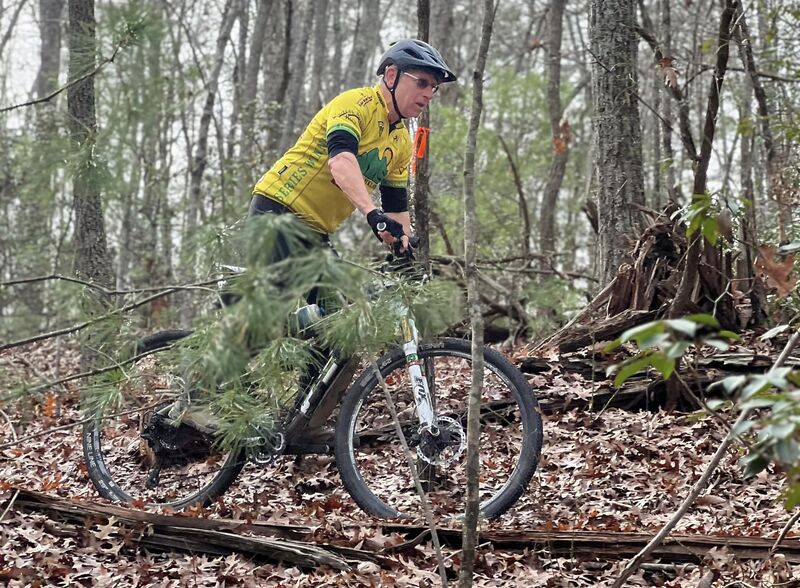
(446, 446)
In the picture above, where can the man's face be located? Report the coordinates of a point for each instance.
(414, 90)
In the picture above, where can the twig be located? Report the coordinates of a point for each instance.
(14, 435)
(98, 287)
(417, 483)
(785, 531)
(95, 372)
(125, 40)
(108, 315)
(700, 485)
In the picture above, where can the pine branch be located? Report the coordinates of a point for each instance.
(98, 287)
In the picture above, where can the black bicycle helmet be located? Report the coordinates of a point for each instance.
(413, 54)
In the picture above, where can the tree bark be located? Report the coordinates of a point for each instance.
(780, 190)
(365, 39)
(470, 533)
(559, 130)
(617, 128)
(92, 261)
(199, 160)
(422, 176)
(294, 94)
(315, 94)
(690, 274)
(250, 100)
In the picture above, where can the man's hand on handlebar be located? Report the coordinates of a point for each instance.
(388, 230)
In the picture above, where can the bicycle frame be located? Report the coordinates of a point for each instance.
(313, 408)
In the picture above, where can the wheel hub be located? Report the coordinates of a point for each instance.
(443, 443)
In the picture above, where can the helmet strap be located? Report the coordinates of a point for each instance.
(392, 90)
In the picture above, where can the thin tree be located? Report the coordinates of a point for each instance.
(199, 159)
(92, 261)
(470, 533)
(559, 130)
(422, 190)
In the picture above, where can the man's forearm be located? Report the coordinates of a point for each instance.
(347, 175)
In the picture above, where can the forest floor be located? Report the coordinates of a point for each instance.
(610, 471)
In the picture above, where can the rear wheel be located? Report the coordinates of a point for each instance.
(136, 452)
(369, 454)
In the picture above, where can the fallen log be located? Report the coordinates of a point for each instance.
(617, 545)
(199, 535)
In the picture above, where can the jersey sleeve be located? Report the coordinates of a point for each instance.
(348, 112)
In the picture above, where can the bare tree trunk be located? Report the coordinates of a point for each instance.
(673, 191)
(294, 94)
(335, 78)
(249, 95)
(239, 80)
(617, 128)
(14, 18)
(35, 213)
(92, 261)
(315, 97)
(365, 40)
(690, 275)
(199, 160)
(422, 189)
(470, 533)
(559, 130)
(779, 189)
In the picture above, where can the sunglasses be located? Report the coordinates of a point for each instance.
(422, 83)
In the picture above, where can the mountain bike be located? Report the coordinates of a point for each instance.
(138, 452)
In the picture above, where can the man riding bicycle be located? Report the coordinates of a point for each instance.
(356, 143)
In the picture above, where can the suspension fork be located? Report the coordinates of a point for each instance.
(419, 384)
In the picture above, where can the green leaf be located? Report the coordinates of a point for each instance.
(789, 247)
(792, 497)
(684, 326)
(757, 384)
(773, 332)
(787, 451)
(757, 403)
(704, 319)
(718, 343)
(717, 403)
(711, 230)
(733, 383)
(780, 430)
(753, 464)
(631, 367)
(729, 335)
(742, 428)
(615, 344)
(677, 349)
(645, 330)
(663, 364)
(656, 340)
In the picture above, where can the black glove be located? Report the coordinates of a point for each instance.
(379, 222)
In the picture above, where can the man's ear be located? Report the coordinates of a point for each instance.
(390, 75)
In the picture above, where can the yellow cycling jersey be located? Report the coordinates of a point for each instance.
(301, 179)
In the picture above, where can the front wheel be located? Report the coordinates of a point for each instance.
(135, 452)
(369, 454)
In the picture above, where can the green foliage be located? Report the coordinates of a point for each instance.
(245, 364)
(701, 214)
(663, 343)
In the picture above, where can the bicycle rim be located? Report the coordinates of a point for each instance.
(375, 469)
(122, 460)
